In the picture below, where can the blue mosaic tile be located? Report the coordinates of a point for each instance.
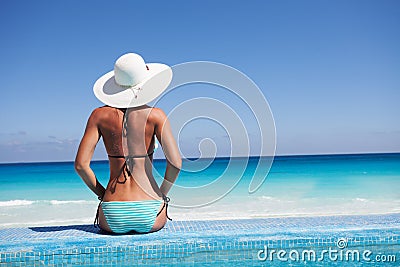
(194, 242)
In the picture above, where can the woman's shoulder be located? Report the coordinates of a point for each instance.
(157, 111)
(100, 112)
(157, 114)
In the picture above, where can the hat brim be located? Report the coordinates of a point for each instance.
(114, 95)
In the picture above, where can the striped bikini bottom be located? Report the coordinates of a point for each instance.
(127, 216)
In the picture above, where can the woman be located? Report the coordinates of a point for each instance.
(132, 200)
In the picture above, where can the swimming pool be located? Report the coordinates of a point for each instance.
(246, 242)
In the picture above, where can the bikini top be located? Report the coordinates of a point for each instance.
(131, 156)
(127, 158)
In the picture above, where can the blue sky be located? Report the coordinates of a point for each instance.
(329, 69)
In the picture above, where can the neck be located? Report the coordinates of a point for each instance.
(139, 107)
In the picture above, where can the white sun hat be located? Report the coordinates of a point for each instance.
(133, 82)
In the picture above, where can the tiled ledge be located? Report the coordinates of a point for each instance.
(191, 242)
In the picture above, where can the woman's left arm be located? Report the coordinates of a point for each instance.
(85, 153)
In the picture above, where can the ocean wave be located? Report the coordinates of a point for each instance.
(24, 202)
(361, 199)
(266, 198)
(65, 202)
(16, 202)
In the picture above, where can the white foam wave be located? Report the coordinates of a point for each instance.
(361, 199)
(16, 202)
(66, 202)
(266, 198)
(24, 202)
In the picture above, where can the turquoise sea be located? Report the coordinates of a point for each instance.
(53, 194)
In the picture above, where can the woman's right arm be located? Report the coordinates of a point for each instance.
(85, 153)
(167, 141)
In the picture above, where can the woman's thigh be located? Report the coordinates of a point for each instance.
(161, 219)
(103, 222)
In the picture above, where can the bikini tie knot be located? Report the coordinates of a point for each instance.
(166, 199)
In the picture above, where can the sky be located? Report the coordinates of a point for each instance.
(328, 69)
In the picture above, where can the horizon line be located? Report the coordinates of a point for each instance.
(221, 157)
